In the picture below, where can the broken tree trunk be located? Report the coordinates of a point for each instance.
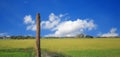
(38, 35)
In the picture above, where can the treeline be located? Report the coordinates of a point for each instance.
(17, 37)
(22, 37)
(80, 36)
(77, 36)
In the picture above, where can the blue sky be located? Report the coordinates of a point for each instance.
(103, 15)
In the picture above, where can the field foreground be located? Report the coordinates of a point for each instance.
(103, 47)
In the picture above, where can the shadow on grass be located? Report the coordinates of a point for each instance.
(46, 53)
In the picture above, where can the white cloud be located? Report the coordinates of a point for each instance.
(52, 22)
(4, 34)
(31, 27)
(30, 23)
(28, 20)
(72, 28)
(61, 28)
(111, 33)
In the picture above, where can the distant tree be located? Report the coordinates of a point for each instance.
(80, 36)
(88, 36)
(84, 36)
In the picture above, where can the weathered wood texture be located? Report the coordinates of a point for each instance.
(38, 35)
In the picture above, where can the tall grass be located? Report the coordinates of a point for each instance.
(84, 47)
(79, 44)
(19, 52)
(17, 48)
(6, 44)
(98, 47)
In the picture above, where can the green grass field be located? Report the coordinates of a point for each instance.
(17, 48)
(102, 47)
(19, 52)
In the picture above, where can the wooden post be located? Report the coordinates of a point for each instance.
(38, 35)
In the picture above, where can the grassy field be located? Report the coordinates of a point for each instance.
(19, 52)
(17, 48)
(102, 47)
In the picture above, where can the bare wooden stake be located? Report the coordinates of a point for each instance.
(38, 35)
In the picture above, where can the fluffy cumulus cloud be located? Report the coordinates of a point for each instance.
(66, 28)
(30, 23)
(72, 28)
(59, 27)
(111, 33)
(52, 22)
